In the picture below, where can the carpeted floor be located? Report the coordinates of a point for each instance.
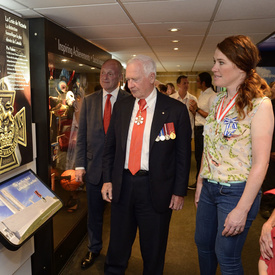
(181, 255)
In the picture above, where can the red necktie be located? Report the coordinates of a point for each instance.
(137, 138)
(107, 113)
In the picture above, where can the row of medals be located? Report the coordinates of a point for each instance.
(161, 137)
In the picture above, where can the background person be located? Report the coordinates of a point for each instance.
(162, 88)
(237, 142)
(146, 168)
(185, 97)
(201, 109)
(93, 126)
(267, 245)
(170, 89)
(268, 200)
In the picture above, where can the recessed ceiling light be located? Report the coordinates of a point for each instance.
(64, 60)
(92, 68)
(134, 55)
(174, 30)
(176, 49)
(80, 65)
(175, 41)
(178, 65)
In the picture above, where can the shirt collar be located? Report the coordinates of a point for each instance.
(114, 93)
(208, 90)
(186, 96)
(150, 99)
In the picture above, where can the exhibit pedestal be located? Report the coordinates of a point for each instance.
(17, 262)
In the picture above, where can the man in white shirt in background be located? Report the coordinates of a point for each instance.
(183, 96)
(201, 108)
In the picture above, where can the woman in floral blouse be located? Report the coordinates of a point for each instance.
(237, 144)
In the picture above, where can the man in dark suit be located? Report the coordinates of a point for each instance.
(143, 193)
(93, 124)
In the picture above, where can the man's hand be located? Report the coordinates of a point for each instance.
(193, 106)
(192, 109)
(106, 191)
(193, 103)
(176, 202)
(79, 174)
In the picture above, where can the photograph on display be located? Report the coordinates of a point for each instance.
(15, 94)
(25, 205)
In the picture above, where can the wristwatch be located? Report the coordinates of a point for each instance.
(197, 109)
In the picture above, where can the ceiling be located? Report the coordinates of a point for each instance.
(127, 27)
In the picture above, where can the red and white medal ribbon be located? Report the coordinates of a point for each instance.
(221, 114)
(139, 118)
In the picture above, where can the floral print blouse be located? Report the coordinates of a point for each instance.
(227, 145)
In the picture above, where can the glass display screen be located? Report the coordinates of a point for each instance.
(26, 203)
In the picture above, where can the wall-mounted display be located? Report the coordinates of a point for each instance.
(15, 96)
(64, 68)
(26, 204)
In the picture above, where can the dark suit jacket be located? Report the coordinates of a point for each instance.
(90, 138)
(169, 160)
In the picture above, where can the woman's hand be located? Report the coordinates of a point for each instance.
(198, 191)
(266, 243)
(234, 222)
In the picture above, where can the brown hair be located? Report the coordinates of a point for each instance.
(245, 55)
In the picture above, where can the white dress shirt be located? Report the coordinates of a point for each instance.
(186, 101)
(204, 103)
(150, 109)
(113, 98)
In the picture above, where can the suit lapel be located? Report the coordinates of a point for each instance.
(159, 118)
(125, 121)
(120, 95)
(98, 107)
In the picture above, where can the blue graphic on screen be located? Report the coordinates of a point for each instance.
(26, 188)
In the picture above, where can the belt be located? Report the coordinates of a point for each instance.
(140, 173)
(229, 183)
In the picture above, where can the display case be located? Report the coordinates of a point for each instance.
(64, 68)
(69, 82)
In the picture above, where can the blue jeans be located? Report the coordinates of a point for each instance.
(216, 202)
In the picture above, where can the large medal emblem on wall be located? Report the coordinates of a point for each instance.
(12, 132)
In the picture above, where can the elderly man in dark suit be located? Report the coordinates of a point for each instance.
(93, 124)
(146, 167)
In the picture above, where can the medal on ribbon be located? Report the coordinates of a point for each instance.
(139, 119)
(230, 126)
(167, 136)
(171, 130)
(162, 137)
(221, 114)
